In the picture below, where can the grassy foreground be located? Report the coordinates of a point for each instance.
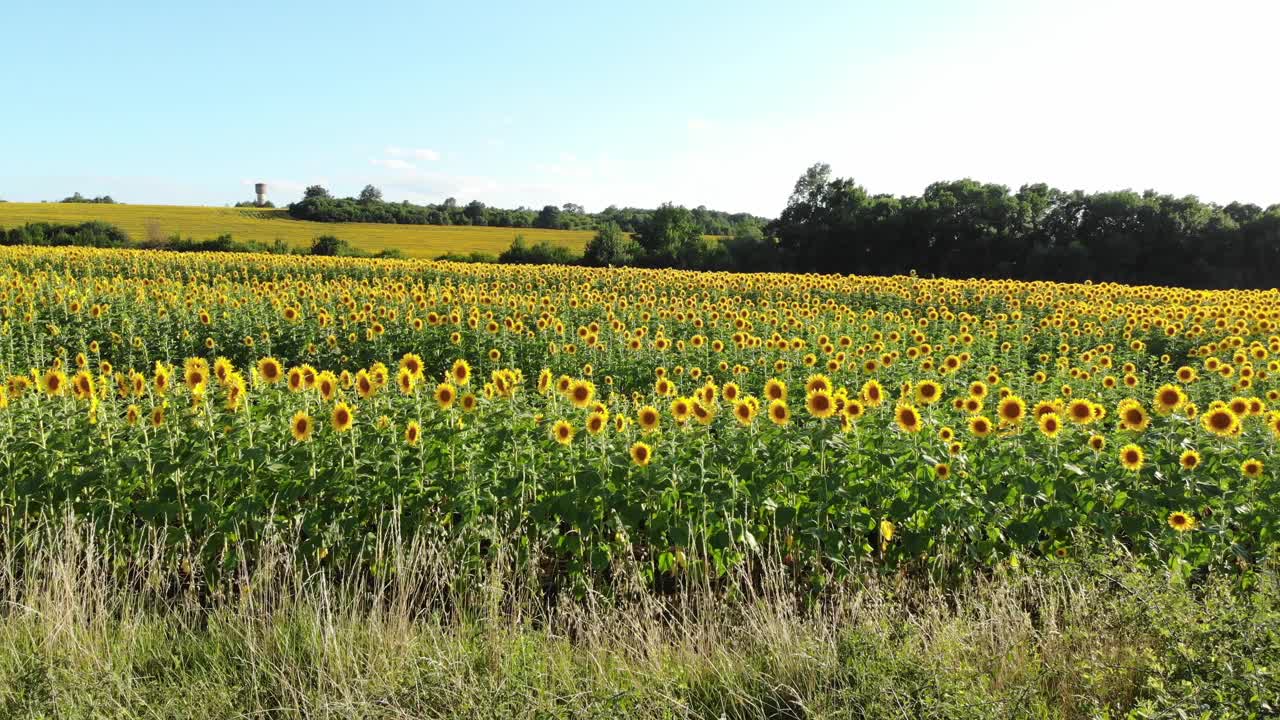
(202, 223)
(82, 637)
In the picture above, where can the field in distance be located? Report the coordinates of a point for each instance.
(202, 223)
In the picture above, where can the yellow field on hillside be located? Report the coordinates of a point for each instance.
(147, 221)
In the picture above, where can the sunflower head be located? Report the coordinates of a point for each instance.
(1181, 521)
(302, 426)
(562, 432)
(1131, 457)
(641, 454)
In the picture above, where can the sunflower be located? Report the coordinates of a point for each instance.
(872, 393)
(302, 426)
(132, 414)
(1189, 459)
(820, 404)
(1097, 443)
(907, 418)
(853, 410)
(270, 370)
(817, 382)
(1251, 468)
(1132, 415)
(468, 402)
(1273, 422)
(681, 409)
(562, 432)
(1047, 406)
(980, 425)
(544, 380)
(744, 413)
(412, 433)
(445, 394)
(704, 413)
(54, 382)
(1131, 457)
(597, 422)
(942, 470)
(581, 393)
(1011, 410)
(775, 389)
(1182, 522)
(887, 531)
(929, 392)
(1221, 422)
(779, 413)
(1080, 411)
(412, 363)
(406, 381)
(730, 391)
(641, 454)
(1168, 398)
(365, 384)
(297, 381)
(648, 418)
(327, 385)
(1050, 425)
(157, 416)
(343, 417)
(82, 385)
(1239, 406)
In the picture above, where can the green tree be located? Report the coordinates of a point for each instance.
(611, 246)
(548, 218)
(329, 245)
(370, 195)
(671, 237)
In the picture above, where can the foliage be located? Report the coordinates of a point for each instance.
(611, 246)
(318, 205)
(965, 228)
(88, 234)
(78, 198)
(540, 253)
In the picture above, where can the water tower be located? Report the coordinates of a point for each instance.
(261, 190)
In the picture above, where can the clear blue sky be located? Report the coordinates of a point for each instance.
(722, 104)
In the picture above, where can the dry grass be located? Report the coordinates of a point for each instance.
(82, 637)
(144, 222)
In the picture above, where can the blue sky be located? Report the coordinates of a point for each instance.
(722, 104)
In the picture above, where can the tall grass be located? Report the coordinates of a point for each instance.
(89, 630)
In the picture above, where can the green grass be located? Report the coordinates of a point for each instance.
(82, 637)
(144, 222)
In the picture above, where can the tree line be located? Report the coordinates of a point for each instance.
(78, 198)
(318, 204)
(105, 235)
(965, 228)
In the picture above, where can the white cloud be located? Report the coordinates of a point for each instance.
(415, 153)
(393, 163)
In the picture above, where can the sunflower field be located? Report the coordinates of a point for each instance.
(665, 423)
